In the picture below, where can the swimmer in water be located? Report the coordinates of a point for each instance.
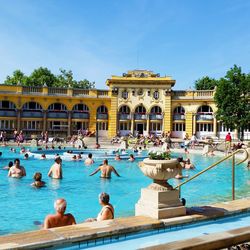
(106, 170)
(38, 180)
(17, 171)
(56, 169)
(89, 160)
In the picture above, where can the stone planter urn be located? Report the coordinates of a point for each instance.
(159, 200)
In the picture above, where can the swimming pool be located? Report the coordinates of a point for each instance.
(165, 235)
(21, 204)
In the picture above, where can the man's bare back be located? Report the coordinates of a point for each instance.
(106, 170)
(59, 220)
(56, 170)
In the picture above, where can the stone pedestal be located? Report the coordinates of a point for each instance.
(159, 204)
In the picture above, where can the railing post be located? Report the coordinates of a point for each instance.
(233, 177)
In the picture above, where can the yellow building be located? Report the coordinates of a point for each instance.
(139, 101)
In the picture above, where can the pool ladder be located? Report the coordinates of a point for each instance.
(232, 155)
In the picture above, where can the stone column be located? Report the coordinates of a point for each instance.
(189, 123)
(69, 123)
(18, 120)
(148, 123)
(44, 120)
(194, 124)
(132, 123)
(215, 127)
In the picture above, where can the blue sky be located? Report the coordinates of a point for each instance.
(185, 39)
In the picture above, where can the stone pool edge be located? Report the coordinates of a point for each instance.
(57, 237)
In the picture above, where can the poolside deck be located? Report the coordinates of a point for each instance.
(86, 233)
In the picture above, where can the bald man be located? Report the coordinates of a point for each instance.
(59, 219)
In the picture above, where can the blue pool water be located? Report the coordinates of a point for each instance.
(21, 205)
(165, 235)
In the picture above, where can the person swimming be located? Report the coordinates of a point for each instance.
(9, 166)
(106, 170)
(131, 158)
(38, 180)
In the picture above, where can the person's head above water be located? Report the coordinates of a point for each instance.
(10, 164)
(37, 176)
(60, 205)
(104, 198)
(90, 155)
(105, 162)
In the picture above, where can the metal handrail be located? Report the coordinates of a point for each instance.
(215, 164)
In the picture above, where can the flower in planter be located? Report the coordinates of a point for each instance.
(159, 155)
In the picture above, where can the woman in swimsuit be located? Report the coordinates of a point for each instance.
(107, 211)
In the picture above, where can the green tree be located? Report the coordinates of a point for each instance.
(66, 78)
(205, 83)
(233, 100)
(18, 77)
(84, 84)
(42, 76)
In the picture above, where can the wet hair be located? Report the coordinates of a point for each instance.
(58, 158)
(16, 160)
(37, 176)
(180, 159)
(90, 155)
(60, 205)
(105, 161)
(132, 156)
(10, 164)
(26, 155)
(1, 153)
(104, 197)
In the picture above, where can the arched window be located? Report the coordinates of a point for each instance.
(140, 110)
(7, 105)
(205, 109)
(124, 109)
(156, 110)
(32, 106)
(102, 110)
(57, 107)
(179, 110)
(81, 108)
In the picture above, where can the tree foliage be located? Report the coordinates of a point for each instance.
(18, 77)
(44, 77)
(232, 97)
(205, 83)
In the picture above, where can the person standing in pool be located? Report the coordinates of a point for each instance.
(89, 160)
(17, 171)
(106, 170)
(59, 219)
(56, 169)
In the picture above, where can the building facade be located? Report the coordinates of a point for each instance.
(139, 101)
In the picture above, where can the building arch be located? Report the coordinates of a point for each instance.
(156, 110)
(124, 109)
(204, 109)
(102, 110)
(7, 105)
(34, 106)
(80, 107)
(140, 109)
(57, 106)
